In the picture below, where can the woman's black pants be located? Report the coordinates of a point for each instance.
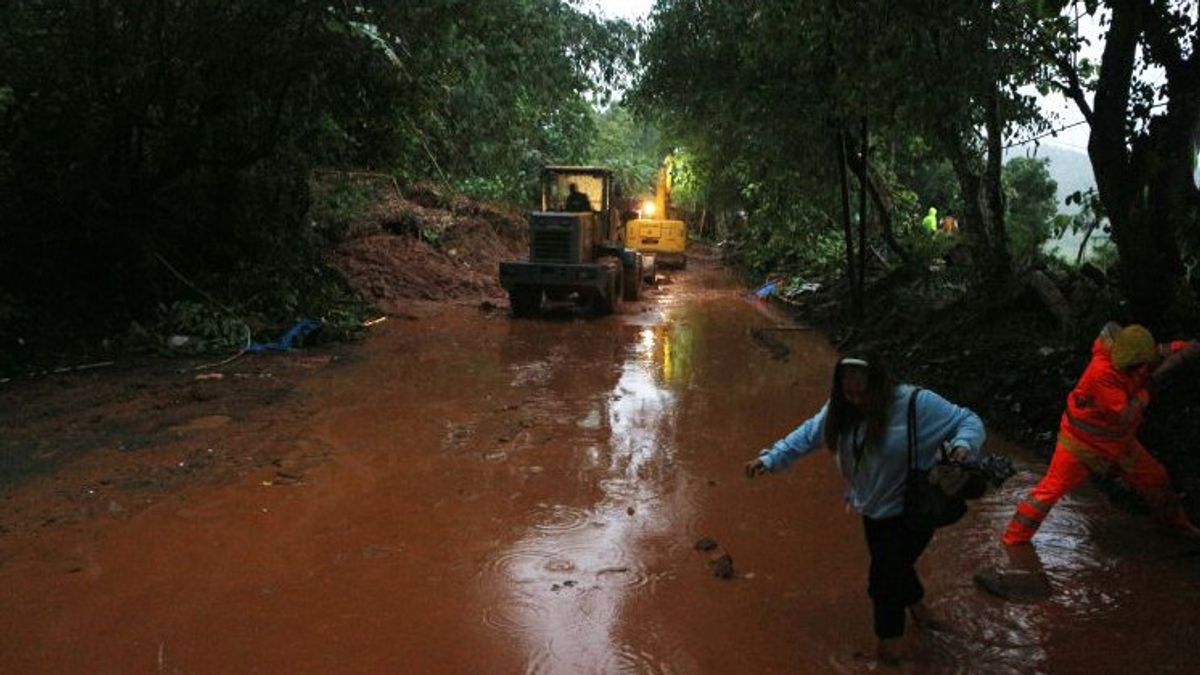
(893, 583)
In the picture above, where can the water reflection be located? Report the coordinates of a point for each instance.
(565, 581)
(678, 352)
(1065, 580)
(591, 580)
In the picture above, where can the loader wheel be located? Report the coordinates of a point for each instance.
(525, 300)
(650, 270)
(632, 285)
(683, 263)
(606, 301)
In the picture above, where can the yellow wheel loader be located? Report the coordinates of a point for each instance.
(575, 248)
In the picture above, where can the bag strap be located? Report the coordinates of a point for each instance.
(912, 430)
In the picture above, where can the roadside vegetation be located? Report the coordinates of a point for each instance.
(161, 163)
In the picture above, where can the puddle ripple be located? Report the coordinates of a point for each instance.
(559, 519)
(628, 659)
(539, 662)
(588, 568)
(526, 566)
(517, 617)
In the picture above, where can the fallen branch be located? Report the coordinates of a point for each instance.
(1051, 297)
(64, 369)
(189, 284)
(365, 174)
(235, 357)
(786, 329)
(86, 366)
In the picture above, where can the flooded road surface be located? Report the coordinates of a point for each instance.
(486, 495)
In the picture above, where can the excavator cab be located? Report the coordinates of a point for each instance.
(655, 231)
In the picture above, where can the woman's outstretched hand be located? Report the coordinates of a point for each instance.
(755, 467)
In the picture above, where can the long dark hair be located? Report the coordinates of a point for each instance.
(843, 417)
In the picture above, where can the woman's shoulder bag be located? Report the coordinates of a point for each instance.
(926, 504)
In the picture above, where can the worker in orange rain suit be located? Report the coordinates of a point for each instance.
(1098, 432)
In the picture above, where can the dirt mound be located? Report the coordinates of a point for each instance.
(427, 245)
(504, 220)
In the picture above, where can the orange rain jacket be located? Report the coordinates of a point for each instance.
(1107, 405)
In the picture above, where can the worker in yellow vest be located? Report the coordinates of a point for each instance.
(930, 221)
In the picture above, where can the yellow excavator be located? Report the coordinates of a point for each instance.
(654, 232)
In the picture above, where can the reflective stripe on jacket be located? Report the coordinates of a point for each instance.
(1107, 405)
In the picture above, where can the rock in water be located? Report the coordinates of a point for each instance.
(723, 567)
(1014, 585)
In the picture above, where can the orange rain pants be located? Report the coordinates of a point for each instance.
(1073, 462)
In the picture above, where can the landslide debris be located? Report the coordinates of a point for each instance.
(402, 248)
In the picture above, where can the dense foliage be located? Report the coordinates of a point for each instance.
(774, 92)
(917, 101)
(631, 149)
(1032, 201)
(158, 152)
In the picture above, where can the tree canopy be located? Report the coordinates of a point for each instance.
(145, 143)
(767, 92)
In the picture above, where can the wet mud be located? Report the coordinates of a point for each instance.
(471, 493)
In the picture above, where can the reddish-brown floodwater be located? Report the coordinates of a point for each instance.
(502, 496)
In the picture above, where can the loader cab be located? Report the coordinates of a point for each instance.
(595, 183)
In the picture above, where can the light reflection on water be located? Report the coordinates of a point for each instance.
(567, 578)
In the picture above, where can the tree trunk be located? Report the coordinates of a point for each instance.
(862, 219)
(970, 183)
(883, 206)
(979, 172)
(1146, 185)
(1083, 244)
(1048, 292)
(999, 265)
(983, 198)
(851, 278)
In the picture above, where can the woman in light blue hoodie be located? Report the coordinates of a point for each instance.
(865, 425)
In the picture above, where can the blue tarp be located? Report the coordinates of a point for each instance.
(767, 290)
(303, 327)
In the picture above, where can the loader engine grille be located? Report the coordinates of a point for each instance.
(551, 245)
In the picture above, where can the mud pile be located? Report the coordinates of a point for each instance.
(425, 245)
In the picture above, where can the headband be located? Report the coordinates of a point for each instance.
(853, 362)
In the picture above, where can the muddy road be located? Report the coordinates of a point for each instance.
(467, 493)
